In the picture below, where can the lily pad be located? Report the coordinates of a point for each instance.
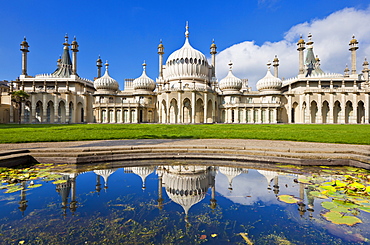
(366, 209)
(318, 194)
(339, 219)
(13, 189)
(34, 186)
(61, 181)
(288, 199)
(328, 205)
(346, 204)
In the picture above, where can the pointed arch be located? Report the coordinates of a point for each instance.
(80, 113)
(62, 112)
(348, 114)
(39, 110)
(71, 112)
(314, 111)
(360, 112)
(27, 112)
(209, 117)
(337, 109)
(294, 112)
(163, 112)
(325, 111)
(199, 111)
(50, 112)
(173, 110)
(186, 111)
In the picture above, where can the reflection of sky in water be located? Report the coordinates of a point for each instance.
(247, 197)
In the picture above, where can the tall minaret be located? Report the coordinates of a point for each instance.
(160, 52)
(353, 46)
(99, 64)
(213, 53)
(276, 66)
(24, 49)
(301, 47)
(74, 48)
(365, 70)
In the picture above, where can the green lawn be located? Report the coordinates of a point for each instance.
(351, 134)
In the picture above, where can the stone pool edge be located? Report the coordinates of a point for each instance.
(259, 151)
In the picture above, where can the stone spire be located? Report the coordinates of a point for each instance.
(24, 49)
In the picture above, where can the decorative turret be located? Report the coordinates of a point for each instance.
(213, 53)
(99, 64)
(24, 49)
(346, 71)
(312, 63)
(365, 70)
(353, 46)
(65, 68)
(74, 49)
(301, 47)
(276, 66)
(160, 52)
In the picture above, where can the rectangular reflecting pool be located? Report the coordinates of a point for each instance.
(184, 202)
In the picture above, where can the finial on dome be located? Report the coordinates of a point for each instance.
(268, 65)
(187, 29)
(24, 38)
(230, 65)
(309, 36)
(106, 65)
(144, 66)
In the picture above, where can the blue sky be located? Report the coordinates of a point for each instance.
(127, 32)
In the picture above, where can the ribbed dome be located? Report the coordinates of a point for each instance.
(106, 82)
(186, 62)
(269, 83)
(144, 82)
(230, 82)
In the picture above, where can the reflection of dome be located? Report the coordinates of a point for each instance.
(186, 62)
(269, 83)
(230, 173)
(143, 172)
(269, 175)
(187, 185)
(105, 173)
(144, 82)
(106, 83)
(230, 82)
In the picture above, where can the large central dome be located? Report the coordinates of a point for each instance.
(186, 63)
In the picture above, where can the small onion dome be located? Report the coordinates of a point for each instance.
(301, 41)
(106, 82)
(366, 63)
(230, 82)
(144, 82)
(354, 40)
(269, 83)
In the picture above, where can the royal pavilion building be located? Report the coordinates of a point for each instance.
(187, 91)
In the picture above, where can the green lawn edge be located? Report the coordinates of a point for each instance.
(325, 133)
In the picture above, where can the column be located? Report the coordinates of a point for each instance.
(367, 108)
(85, 105)
(342, 113)
(205, 107)
(353, 119)
(56, 117)
(44, 107)
(331, 108)
(308, 109)
(179, 105)
(193, 107)
(22, 111)
(33, 109)
(236, 115)
(67, 108)
(168, 108)
(289, 109)
(319, 109)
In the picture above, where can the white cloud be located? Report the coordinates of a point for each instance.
(331, 36)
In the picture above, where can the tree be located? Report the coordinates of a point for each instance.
(19, 97)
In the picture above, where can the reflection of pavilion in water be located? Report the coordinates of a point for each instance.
(185, 185)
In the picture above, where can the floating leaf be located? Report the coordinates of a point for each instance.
(14, 189)
(318, 194)
(328, 205)
(61, 181)
(202, 237)
(288, 199)
(366, 209)
(34, 186)
(339, 219)
(341, 210)
(347, 204)
(213, 235)
(304, 180)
